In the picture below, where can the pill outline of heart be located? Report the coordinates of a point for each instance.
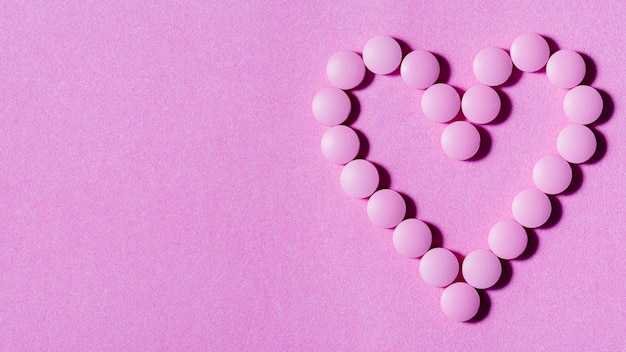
(384, 182)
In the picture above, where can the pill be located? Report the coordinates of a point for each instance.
(386, 208)
(439, 267)
(382, 55)
(420, 69)
(345, 69)
(441, 102)
(359, 178)
(412, 238)
(492, 66)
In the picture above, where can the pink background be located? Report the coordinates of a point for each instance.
(162, 187)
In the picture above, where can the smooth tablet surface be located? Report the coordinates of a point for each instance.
(492, 66)
(340, 144)
(481, 104)
(386, 208)
(359, 178)
(507, 239)
(583, 105)
(566, 69)
(481, 268)
(576, 143)
(531, 208)
(439, 267)
(382, 54)
(345, 69)
(530, 52)
(460, 301)
(441, 102)
(331, 106)
(412, 238)
(552, 174)
(460, 140)
(420, 69)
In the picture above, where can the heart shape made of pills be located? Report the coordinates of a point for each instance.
(441, 103)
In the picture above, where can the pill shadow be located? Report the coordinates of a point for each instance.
(577, 180)
(514, 78)
(411, 207)
(444, 68)
(505, 276)
(591, 71)
(459, 259)
(601, 147)
(531, 247)
(406, 48)
(437, 236)
(485, 144)
(384, 177)
(483, 309)
(355, 109)
(552, 44)
(367, 80)
(607, 108)
(505, 109)
(555, 215)
(364, 145)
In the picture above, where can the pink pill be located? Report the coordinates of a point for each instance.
(460, 140)
(460, 301)
(331, 106)
(345, 69)
(420, 69)
(441, 102)
(530, 52)
(386, 208)
(492, 66)
(507, 239)
(481, 268)
(340, 144)
(566, 69)
(576, 143)
(382, 55)
(481, 104)
(412, 238)
(439, 267)
(583, 105)
(359, 178)
(531, 208)
(552, 174)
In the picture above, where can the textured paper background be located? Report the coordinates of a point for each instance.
(162, 187)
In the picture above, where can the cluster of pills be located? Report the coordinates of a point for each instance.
(480, 104)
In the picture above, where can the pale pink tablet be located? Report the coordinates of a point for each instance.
(460, 301)
(331, 106)
(386, 208)
(583, 105)
(566, 69)
(412, 238)
(481, 104)
(531, 208)
(460, 140)
(420, 69)
(345, 69)
(576, 143)
(439, 267)
(441, 102)
(359, 178)
(552, 174)
(481, 268)
(530, 52)
(507, 239)
(340, 144)
(382, 55)
(492, 66)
